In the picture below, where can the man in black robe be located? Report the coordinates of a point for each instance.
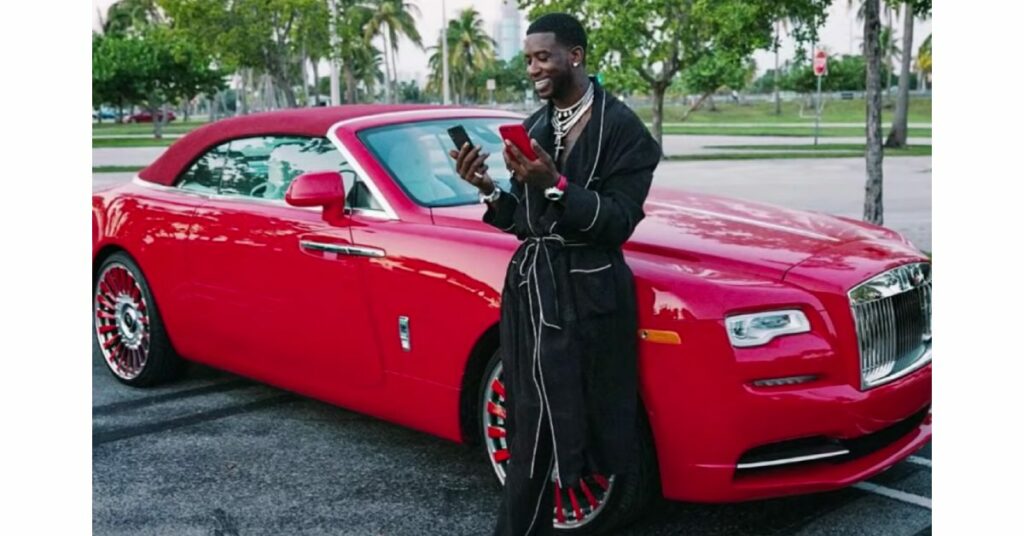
(568, 314)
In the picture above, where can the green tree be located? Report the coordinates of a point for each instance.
(409, 91)
(114, 71)
(780, 23)
(803, 19)
(716, 70)
(645, 44)
(365, 75)
(470, 53)
(390, 20)
(207, 24)
(510, 84)
(312, 37)
(360, 61)
(266, 36)
(898, 132)
(131, 17)
(890, 49)
(845, 73)
(924, 59)
(154, 68)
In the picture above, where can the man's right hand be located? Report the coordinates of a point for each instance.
(469, 164)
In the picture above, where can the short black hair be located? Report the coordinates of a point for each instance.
(568, 31)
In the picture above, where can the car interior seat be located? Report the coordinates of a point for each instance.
(413, 168)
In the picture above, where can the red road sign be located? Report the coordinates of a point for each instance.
(820, 63)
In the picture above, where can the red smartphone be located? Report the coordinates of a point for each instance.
(518, 136)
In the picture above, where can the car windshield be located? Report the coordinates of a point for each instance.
(416, 156)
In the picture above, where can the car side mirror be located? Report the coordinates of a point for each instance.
(318, 189)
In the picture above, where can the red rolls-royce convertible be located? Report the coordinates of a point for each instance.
(334, 252)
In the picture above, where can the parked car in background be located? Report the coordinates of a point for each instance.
(336, 253)
(146, 117)
(104, 114)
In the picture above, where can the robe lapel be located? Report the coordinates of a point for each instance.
(543, 131)
(583, 159)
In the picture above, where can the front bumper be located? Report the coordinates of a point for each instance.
(705, 416)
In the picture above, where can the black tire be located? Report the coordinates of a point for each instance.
(630, 494)
(154, 360)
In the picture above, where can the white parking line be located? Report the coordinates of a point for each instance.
(920, 461)
(895, 494)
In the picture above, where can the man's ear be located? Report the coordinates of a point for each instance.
(577, 55)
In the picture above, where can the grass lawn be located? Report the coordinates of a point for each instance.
(789, 154)
(799, 132)
(910, 150)
(114, 129)
(803, 132)
(835, 111)
(116, 169)
(131, 142)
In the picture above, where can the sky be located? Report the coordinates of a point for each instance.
(840, 35)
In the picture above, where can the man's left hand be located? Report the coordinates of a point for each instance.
(540, 173)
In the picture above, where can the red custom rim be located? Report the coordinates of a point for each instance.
(574, 507)
(122, 321)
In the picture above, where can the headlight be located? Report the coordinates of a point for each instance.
(760, 328)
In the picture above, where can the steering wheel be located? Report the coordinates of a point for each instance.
(261, 188)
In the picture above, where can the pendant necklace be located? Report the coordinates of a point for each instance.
(566, 118)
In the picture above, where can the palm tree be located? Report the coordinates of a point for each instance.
(890, 50)
(470, 49)
(354, 46)
(390, 20)
(313, 38)
(924, 60)
(127, 16)
(780, 24)
(436, 69)
(898, 132)
(366, 71)
(873, 99)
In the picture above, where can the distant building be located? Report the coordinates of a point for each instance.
(508, 31)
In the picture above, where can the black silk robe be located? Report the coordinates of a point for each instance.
(568, 312)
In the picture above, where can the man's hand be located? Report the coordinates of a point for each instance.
(469, 164)
(540, 173)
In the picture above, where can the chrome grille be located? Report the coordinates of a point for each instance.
(892, 312)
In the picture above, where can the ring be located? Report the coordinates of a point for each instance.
(478, 174)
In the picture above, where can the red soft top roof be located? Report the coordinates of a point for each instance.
(296, 122)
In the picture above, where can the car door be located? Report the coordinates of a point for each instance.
(272, 296)
(438, 290)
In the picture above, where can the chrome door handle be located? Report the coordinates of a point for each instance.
(358, 251)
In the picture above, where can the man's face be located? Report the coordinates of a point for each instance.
(549, 65)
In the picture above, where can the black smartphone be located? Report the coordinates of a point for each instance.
(459, 137)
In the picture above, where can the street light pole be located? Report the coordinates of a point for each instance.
(444, 54)
(335, 83)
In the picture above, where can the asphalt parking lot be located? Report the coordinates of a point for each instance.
(215, 454)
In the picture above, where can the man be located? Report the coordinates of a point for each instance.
(568, 313)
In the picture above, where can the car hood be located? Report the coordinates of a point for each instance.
(720, 233)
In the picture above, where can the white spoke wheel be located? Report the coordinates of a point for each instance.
(595, 505)
(129, 332)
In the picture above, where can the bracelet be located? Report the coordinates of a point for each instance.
(493, 196)
(555, 192)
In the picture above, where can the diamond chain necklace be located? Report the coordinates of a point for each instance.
(566, 118)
